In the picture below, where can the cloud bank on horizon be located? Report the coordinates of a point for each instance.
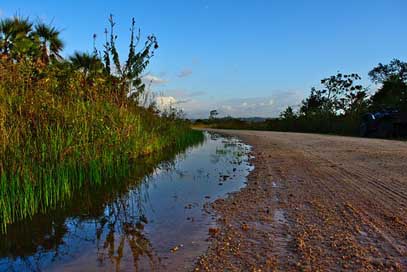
(197, 105)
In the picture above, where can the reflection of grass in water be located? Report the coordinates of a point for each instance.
(120, 228)
(115, 212)
(231, 147)
(37, 186)
(232, 151)
(222, 151)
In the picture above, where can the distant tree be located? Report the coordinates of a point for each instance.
(395, 69)
(355, 103)
(392, 94)
(393, 91)
(314, 104)
(338, 90)
(288, 114)
(213, 114)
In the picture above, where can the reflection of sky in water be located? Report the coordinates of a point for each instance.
(140, 227)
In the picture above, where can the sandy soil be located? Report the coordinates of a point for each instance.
(315, 203)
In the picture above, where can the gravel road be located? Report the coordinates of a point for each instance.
(314, 203)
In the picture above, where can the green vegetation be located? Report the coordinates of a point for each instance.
(337, 107)
(90, 202)
(66, 124)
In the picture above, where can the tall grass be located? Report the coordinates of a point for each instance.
(90, 201)
(60, 133)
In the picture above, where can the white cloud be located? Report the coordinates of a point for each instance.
(269, 106)
(1, 13)
(198, 104)
(165, 102)
(151, 79)
(185, 73)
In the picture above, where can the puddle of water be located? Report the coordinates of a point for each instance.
(149, 223)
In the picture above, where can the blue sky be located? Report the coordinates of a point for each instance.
(241, 57)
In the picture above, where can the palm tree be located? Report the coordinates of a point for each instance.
(86, 62)
(6, 34)
(16, 41)
(22, 26)
(13, 31)
(50, 43)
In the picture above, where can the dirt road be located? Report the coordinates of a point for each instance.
(315, 203)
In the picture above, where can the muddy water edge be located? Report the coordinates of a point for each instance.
(156, 220)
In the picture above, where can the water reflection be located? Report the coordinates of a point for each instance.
(152, 221)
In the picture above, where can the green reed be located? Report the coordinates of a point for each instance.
(53, 144)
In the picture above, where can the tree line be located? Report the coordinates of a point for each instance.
(341, 102)
(337, 106)
(37, 47)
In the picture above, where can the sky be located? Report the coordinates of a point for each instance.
(243, 58)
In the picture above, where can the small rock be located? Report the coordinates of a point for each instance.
(245, 227)
(176, 248)
(214, 231)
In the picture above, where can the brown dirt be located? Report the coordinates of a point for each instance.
(315, 203)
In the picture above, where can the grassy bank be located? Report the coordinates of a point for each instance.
(75, 122)
(53, 144)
